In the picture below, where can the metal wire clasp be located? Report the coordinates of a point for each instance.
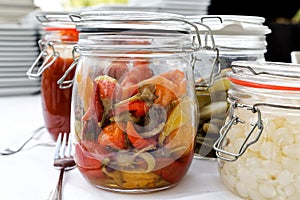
(234, 120)
(35, 71)
(216, 64)
(65, 84)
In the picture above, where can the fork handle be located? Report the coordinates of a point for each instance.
(56, 194)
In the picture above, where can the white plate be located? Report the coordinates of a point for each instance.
(32, 54)
(18, 69)
(18, 81)
(184, 5)
(185, 12)
(17, 29)
(19, 32)
(179, 10)
(11, 74)
(18, 48)
(18, 43)
(4, 19)
(233, 24)
(18, 37)
(15, 64)
(9, 91)
(120, 8)
(17, 59)
(160, 2)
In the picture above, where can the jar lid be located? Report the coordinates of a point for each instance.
(232, 24)
(60, 23)
(55, 20)
(240, 42)
(265, 75)
(233, 32)
(115, 21)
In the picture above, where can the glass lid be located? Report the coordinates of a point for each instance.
(233, 24)
(59, 20)
(267, 75)
(130, 20)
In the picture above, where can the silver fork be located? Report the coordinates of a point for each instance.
(63, 160)
(12, 150)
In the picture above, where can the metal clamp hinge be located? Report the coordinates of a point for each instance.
(234, 120)
(35, 71)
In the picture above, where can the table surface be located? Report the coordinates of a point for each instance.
(30, 175)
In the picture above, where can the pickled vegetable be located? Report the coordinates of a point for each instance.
(213, 107)
(134, 131)
(269, 168)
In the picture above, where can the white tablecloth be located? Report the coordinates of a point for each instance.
(30, 175)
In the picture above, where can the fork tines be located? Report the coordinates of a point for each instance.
(63, 148)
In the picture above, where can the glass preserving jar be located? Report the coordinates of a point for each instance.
(258, 148)
(59, 37)
(134, 115)
(235, 38)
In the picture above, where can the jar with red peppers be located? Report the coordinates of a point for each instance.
(59, 37)
(134, 110)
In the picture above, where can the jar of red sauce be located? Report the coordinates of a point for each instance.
(56, 45)
(134, 110)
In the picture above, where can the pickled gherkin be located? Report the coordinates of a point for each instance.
(213, 107)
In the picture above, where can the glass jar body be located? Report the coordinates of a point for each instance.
(134, 116)
(133, 119)
(212, 100)
(266, 156)
(59, 36)
(56, 102)
(236, 39)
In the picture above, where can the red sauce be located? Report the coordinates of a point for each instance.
(56, 102)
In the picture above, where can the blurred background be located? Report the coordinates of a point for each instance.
(282, 17)
(62, 5)
(20, 30)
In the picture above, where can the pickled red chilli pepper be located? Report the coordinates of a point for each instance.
(138, 108)
(112, 136)
(136, 139)
(178, 166)
(106, 87)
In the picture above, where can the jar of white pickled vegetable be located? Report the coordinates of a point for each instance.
(134, 110)
(258, 148)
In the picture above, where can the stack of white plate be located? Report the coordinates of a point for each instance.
(11, 11)
(186, 7)
(18, 50)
